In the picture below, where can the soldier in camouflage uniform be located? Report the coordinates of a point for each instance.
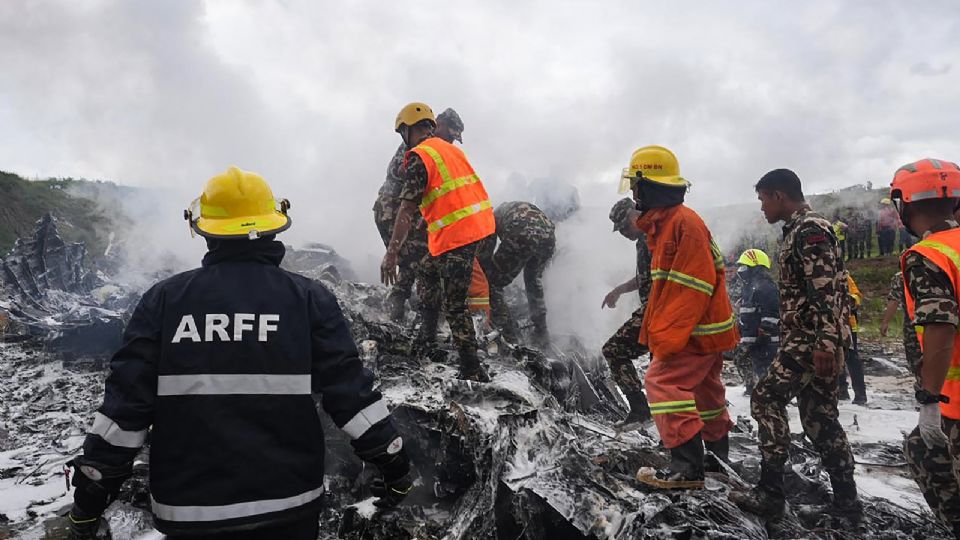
(449, 128)
(624, 346)
(527, 242)
(414, 249)
(814, 331)
(444, 280)
(932, 449)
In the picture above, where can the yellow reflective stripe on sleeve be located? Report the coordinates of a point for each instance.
(667, 407)
(447, 187)
(953, 374)
(478, 301)
(942, 248)
(682, 279)
(712, 414)
(717, 255)
(714, 328)
(457, 215)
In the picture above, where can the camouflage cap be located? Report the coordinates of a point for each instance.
(453, 121)
(619, 212)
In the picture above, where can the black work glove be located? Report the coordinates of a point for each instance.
(96, 486)
(83, 526)
(394, 482)
(762, 339)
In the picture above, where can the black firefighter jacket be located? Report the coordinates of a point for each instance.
(760, 310)
(221, 361)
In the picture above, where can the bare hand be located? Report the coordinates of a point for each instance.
(884, 327)
(825, 364)
(610, 300)
(388, 269)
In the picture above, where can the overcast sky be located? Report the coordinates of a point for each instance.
(168, 93)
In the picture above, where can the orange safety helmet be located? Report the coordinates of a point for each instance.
(925, 179)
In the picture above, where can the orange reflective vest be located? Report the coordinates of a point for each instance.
(455, 205)
(943, 250)
(478, 297)
(688, 308)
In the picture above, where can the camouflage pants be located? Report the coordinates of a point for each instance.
(753, 362)
(502, 264)
(412, 251)
(790, 377)
(444, 283)
(622, 348)
(935, 472)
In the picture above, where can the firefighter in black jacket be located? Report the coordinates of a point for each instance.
(759, 317)
(222, 362)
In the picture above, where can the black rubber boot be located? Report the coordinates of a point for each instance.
(685, 471)
(766, 499)
(639, 412)
(846, 504)
(429, 321)
(859, 398)
(541, 336)
(396, 305)
(470, 367)
(720, 449)
(843, 394)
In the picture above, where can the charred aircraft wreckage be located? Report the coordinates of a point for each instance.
(533, 454)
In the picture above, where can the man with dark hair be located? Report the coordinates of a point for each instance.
(814, 331)
(222, 363)
(624, 345)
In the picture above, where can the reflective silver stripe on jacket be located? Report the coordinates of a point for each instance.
(111, 432)
(748, 310)
(771, 320)
(219, 384)
(230, 511)
(774, 339)
(365, 419)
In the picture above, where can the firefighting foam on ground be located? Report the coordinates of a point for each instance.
(489, 271)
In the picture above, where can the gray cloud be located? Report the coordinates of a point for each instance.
(165, 94)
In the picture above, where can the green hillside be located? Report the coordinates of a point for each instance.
(25, 201)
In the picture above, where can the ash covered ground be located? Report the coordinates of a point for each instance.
(533, 454)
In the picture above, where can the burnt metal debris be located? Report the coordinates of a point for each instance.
(531, 455)
(47, 295)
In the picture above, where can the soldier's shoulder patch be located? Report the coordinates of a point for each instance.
(815, 238)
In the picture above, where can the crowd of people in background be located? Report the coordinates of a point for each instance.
(856, 227)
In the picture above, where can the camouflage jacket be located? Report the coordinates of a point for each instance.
(643, 269)
(522, 220)
(897, 295)
(931, 289)
(813, 287)
(394, 180)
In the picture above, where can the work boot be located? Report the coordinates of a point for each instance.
(846, 504)
(843, 394)
(429, 321)
(685, 470)
(396, 308)
(470, 367)
(859, 398)
(766, 499)
(541, 336)
(639, 412)
(720, 449)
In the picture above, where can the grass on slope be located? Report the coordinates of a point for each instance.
(873, 277)
(25, 201)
